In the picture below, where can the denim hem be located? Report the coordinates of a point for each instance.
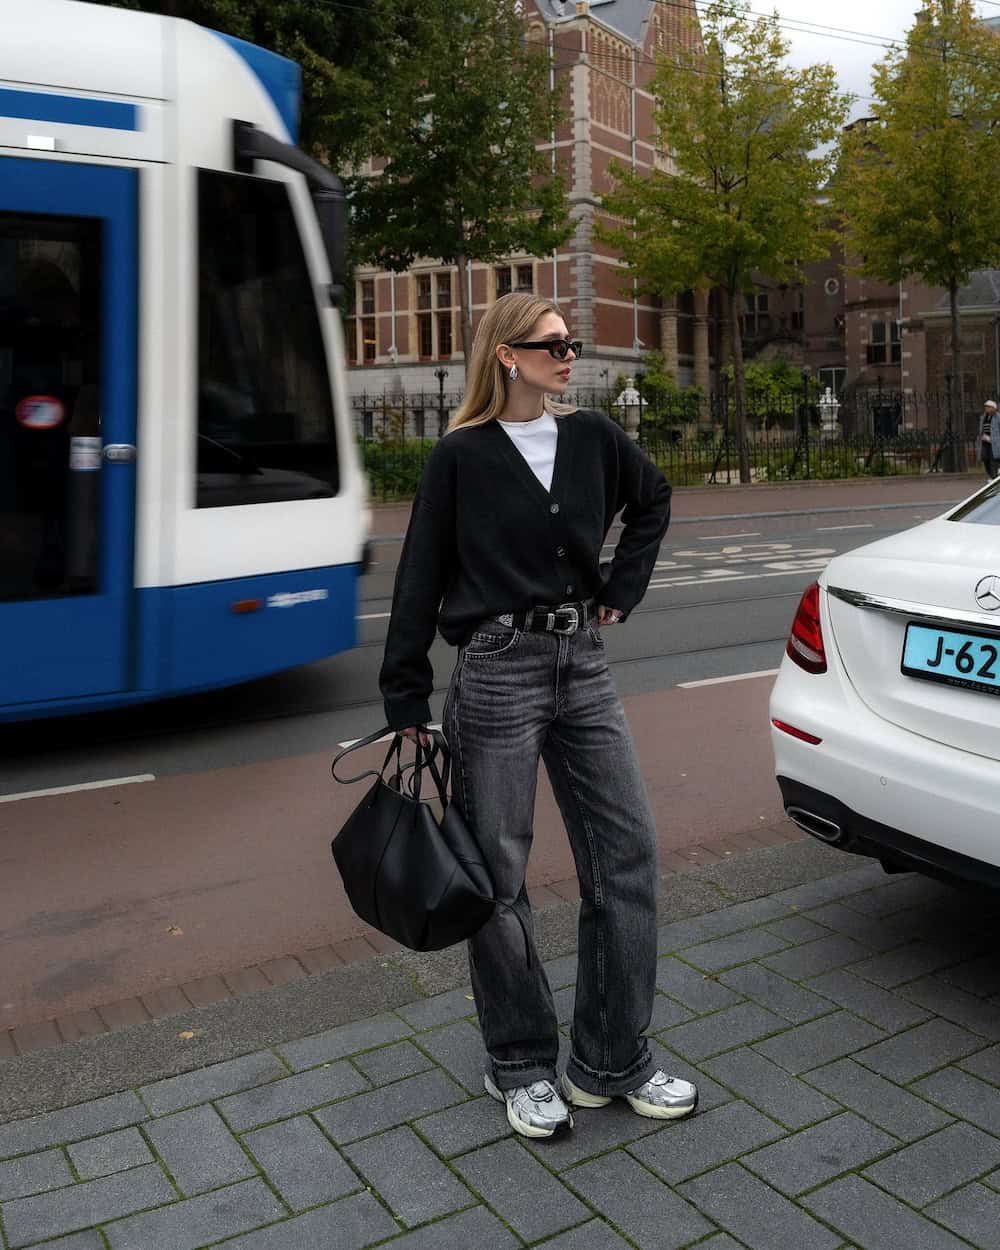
(611, 1084)
(520, 1072)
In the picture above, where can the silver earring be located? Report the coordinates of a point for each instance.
(513, 373)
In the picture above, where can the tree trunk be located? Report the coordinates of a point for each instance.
(464, 311)
(956, 391)
(739, 384)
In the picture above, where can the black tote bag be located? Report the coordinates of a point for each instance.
(417, 878)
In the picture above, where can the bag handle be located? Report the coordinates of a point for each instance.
(396, 746)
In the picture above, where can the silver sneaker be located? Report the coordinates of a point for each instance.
(662, 1097)
(534, 1110)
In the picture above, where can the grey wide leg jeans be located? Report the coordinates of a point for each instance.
(515, 697)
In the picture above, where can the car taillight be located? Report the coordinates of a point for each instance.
(805, 643)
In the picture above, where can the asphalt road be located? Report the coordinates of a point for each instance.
(221, 861)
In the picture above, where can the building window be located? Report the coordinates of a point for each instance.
(423, 290)
(419, 423)
(425, 335)
(525, 278)
(834, 377)
(368, 342)
(435, 301)
(884, 348)
(444, 290)
(444, 334)
(368, 296)
(351, 338)
(799, 311)
(756, 319)
(504, 284)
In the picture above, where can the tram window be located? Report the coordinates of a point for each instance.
(50, 376)
(265, 417)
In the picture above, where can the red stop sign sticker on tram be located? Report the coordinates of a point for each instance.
(40, 412)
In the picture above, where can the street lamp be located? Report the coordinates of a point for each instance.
(441, 374)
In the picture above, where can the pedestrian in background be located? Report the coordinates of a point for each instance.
(988, 443)
(503, 554)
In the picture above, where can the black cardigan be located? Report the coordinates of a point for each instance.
(486, 538)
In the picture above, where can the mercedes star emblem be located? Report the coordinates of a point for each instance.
(988, 593)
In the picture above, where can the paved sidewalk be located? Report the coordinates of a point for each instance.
(843, 1027)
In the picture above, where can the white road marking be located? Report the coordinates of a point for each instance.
(710, 537)
(727, 576)
(374, 616)
(385, 738)
(718, 681)
(829, 529)
(83, 785)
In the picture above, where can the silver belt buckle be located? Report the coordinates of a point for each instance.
(574, 614)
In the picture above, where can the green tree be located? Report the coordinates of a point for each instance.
(742, 130)
(346, 53)
(464, 178)
(916, 185)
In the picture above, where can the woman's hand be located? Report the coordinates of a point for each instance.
(413, 732)
(608, 616)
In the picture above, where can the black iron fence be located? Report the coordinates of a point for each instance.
(790, 436)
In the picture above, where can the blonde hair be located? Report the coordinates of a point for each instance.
(511, 318)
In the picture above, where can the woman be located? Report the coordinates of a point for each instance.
(503, 555)
(988, 443)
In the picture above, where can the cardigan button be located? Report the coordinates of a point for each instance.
(569, 589)
(554, 508)
(560, 551)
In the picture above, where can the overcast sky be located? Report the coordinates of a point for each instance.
(889, 19)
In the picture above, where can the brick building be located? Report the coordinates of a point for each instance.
(603, 53)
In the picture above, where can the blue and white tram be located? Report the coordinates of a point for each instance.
(182, 505)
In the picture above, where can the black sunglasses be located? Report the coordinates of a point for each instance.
(558, 349)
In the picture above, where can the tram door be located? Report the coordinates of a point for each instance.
(68, 279)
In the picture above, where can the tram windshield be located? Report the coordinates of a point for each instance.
(265, 416)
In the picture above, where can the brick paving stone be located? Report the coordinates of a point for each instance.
(594, 1235)
(246, 981)
(441, 1009)
(462, 1128)
(199, 1151)
(392, 1063)
(101, 1115)
(203, 991)
(391, 1105)
(113, 1152)
(165, 1002)
(561, 971)
(964, 1096)
(196, 1222)
(905, 963)
(771, 1089)
(738, 948)
(90, 1240)
(878, 1100)
(909, 891)
(291, 1095)
(873, 933)
(818, 1042)
(986, 1065)
(827, 889)
(797, 929)
(319, 959)
(300, 1163)
(667, 1013)
(908, 1055)
(755, 1213)
(564, 1001)
(954, 1004)
(281, 971)
(78, 1024)
(350, 1224)
(27, 1220)
(973, 1213)
(124, 1014)
(476, 1228)
(776, 993)
(458, 1048)
(649, 1213)
(705, 1141)
(33, 1174)
(346, 1039)
(7, 1048)
(876, 1221)
(889, 1011)
(693, 989)
(976, 976)
(504, 1174)
(746, 1022)
(721, 1241)
(30, 1037)
(216, 1081)
(680, 934)
(820, 1153)
(809, 960)
(409, 1177)
(929, 1168)
(595, 1131)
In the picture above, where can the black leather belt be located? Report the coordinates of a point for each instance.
(567, 618)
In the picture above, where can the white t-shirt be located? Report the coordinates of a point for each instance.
(536, 441)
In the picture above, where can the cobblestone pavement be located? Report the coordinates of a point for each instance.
(845, 1034)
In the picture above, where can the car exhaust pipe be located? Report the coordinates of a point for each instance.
(817, 826)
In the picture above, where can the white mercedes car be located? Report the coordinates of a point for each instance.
(885, 716)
